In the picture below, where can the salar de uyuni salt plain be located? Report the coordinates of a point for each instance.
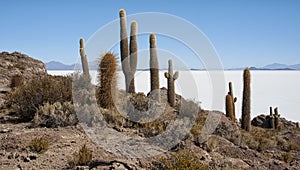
(269, 88)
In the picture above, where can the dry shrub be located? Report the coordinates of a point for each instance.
(55, 115)
(259, 139)
(82, 158)
(286, 157)
(49, 89)
(197, 127)
(182, 160)
(39, 145)
(211, 143)
(16, 81)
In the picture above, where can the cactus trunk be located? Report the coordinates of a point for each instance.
(133, 55)
(128, 58)
(231, 114)
(108, 83)
(84, 62)
(276, 118)
(154, 69)
(171, 87)
(246, 107)
(229, 107)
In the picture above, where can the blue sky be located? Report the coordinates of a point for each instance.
(244, 33)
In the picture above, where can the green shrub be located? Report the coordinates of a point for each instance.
(39, 145)
(83, 157)
(55, 115)
(49, 89)
(182, 160)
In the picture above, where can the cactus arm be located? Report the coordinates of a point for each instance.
(176, 75)
(124, 49)
(85, 66)
(167, 75)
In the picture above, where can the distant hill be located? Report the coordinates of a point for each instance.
(55, 65)
(278, 66)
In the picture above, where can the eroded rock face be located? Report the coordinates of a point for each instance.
(15, 63)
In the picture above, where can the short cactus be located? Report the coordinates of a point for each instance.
(84, 62)
(276, 118)
(154, 68)
(230, 112)
(271, 120)
(171, 78)
(129, 63)
(229, 107)
(108, 83)
(246, 106)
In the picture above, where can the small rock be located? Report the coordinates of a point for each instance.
(5, 130)
(82, 167)
(32, 157)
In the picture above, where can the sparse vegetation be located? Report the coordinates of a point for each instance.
(182, 160)
(16, 81)
(286, 157)
(259, 139)
(83, 157)
(39, 145)
(55, 115)
(49, 89)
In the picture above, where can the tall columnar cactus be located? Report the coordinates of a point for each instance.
(246, 107)
(276, 118)
(230, 112)
(154, 68)
(129, 62)
(84, 62)
(107, 75)
(133, 54)
(272, 120)
(171, 78)
(229, 107)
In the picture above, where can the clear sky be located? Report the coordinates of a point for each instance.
(244, 32)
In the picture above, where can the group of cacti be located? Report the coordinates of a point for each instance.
(246, 117)
(129, 56)
(274, 118)
(230, 102)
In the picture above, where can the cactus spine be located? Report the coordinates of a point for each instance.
(171, 78)
(230, 107)
(246, 107)
(129, 63)
(276, 118)
(108, 83)
(154, 68)
(85, 66)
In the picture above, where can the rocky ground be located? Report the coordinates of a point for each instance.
(226, 145)
(223, 150)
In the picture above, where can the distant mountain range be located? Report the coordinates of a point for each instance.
(55, 65)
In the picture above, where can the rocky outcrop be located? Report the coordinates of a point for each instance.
(12, 64)
(263, 121)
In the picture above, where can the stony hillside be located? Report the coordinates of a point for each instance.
(14, 64)
(212, 142)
